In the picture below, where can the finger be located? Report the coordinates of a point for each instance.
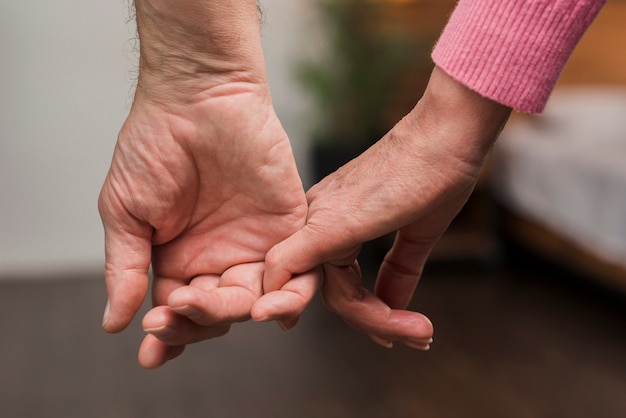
(415, 342)
(154, 353)
(402, 267)
(206, 302)
(219, 306)
(418, 344)
(206, 282)
(367, 313)
(286, 259)
(288, 303)
(174, 329)
(128, 252)
(303, 251)
(163, 287)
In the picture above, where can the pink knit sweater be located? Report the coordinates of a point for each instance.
(513, 51)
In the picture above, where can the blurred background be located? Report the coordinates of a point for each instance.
(526, 290)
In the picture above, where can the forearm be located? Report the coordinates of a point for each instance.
(196, 44)
(513, 51)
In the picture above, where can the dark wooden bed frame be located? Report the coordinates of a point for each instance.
(549, 244)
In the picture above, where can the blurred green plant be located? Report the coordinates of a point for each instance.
(355, 81)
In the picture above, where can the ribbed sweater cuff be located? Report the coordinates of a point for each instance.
(513, 51)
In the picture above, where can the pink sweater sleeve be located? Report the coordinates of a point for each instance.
(513, 51)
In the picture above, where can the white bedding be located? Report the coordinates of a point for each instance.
(567, 169)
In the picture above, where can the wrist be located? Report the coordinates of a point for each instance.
(460, 119)
(188, 47)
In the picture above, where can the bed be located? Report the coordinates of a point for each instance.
(561, 179)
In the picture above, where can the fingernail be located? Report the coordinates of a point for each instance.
(188, 311)
(287, 324)
(381, 341)
(161, 332)
(419, 344)
(107, 309)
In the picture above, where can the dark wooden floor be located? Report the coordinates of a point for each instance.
(516, 341)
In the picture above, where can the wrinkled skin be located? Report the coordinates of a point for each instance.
(414, 181)
(202, 190)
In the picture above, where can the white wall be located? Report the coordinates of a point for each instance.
(65, 88)
(292, 32)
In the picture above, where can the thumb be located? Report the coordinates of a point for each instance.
(298, 253)
(303, 251)
(128, 246)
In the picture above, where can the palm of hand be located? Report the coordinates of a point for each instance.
(197, 189)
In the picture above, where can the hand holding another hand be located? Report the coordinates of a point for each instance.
(203, 187)
(413, 181)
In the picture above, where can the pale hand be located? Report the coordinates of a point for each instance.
(200, 190)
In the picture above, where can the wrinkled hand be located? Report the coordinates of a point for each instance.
(414, 180)
(200, 189)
